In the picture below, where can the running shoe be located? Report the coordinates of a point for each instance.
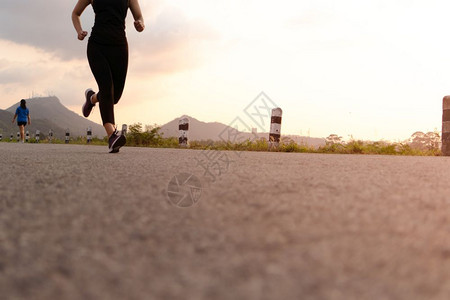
(87, 106)
(116, 141)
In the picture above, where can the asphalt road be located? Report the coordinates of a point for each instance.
(78, 223)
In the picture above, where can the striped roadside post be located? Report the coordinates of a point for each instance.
(67, 136)
(1, 136)
(50, 135)
(11, 137)
(38, 136)
(275, 127)
(124, 129)
(18, 136)
(446, 126)
(183, 128)
(27, 136)
(89, 134)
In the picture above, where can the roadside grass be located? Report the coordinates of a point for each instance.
(152, 138)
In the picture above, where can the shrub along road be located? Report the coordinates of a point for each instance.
(78, 223)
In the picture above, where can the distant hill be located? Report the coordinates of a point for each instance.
(216, 131)
(198, 130)
(7, 127)
(48, 113)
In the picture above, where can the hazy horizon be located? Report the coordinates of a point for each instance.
(369, 70)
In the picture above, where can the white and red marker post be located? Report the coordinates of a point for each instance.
(89, 135)
(275, 127)
(446, 126)
(67, 136)
(183, 128)
(50, 135)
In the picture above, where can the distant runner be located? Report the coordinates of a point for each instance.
(23, 118)
(107, 53)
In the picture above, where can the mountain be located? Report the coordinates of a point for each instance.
(48, 113)
(216, 131)
(7, 128)
(198, 130)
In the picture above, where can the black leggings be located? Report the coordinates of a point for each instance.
(109, 65)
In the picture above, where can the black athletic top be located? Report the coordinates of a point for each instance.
(109, 26)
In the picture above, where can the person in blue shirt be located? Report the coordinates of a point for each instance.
(23, 118)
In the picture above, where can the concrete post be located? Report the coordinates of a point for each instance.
(1, 136)
(27, 136)
(50, 135)
(38, 136)
(67, 136)
(18, 136)
(124, 129)
(446, 126)
(11, 137)
(89, 135)
(183, 127)
(275, 126)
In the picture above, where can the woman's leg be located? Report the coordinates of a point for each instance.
(117, 57)
(100, 67)
(22, 132)
(119, 67)
(110, 128)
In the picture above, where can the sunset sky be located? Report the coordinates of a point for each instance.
(368, 69)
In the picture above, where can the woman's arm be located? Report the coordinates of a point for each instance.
(29, 120)
(137, 15)
(15, 116)
(76, 13)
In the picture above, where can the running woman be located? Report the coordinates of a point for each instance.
(107, 53)
(23, 117)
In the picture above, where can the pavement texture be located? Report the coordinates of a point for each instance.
(79, 223)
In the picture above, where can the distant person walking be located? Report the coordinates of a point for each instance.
(107, 53)
(23, 118)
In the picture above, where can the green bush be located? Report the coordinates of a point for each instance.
(151, 137)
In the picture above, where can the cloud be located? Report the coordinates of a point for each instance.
(41, 54)
(170, 39)
(25, 69)
(21, 64)
(42, 24)
(172, 43)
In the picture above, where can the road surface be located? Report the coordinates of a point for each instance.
(78, 223)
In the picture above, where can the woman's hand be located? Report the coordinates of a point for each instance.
(82, 34)
(139, 25)
(76, 13)
(137, 15)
